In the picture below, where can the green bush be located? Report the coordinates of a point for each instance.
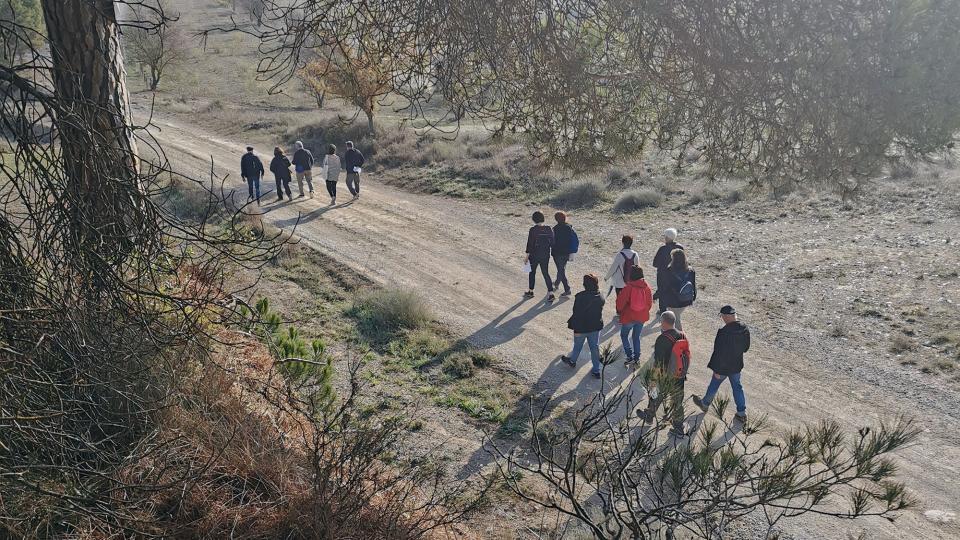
(391, 309)
(578, 193)
(638, 199)
(458, 366)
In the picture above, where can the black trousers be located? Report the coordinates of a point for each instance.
(675, 406)
(544, 269)
(283, 184)
(332, 188)
(561, 262)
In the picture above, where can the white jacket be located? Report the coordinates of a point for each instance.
(615, 274)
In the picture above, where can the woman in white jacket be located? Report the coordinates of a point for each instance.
(331, 167)
(625, 258)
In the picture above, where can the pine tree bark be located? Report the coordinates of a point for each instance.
(95, 127)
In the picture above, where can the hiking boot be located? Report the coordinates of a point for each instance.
(280, 198)
(596, 374)
(568, 361)
(700, 404)
(551, 297)
(528, 294)
(678, 432)
(740, 417)
(311, 194)
(301, 195)
(644, 414)
(565, 294)
(631, 361)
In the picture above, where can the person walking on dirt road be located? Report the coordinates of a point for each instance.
(661, 261)
(280, 167)
(680, 285)
(565, 244)
(671, 356)
(586, 323)
(352, 162)
(633, 306)
(623, 261)
(540, 241)
(251, 170)
(303, 163)
(331, 168)
(726, 362)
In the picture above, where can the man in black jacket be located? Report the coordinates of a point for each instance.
(661, 261)
(727, 361)
(251, 170)
(562, 242)
(672, 382)
(539, 243)
(303, 164)
(586, 323)
(353, 161)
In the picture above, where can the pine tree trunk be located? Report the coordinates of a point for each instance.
(99, 149)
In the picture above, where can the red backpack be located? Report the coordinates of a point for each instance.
(680, 355)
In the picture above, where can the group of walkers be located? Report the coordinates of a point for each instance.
(251, 170)
(676, 283)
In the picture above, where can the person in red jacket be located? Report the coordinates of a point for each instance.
(633, 306)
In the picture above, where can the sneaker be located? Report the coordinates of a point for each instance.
(528, 294)
(596, 374)
(740, 417)
(311, 194)
(301, 195)
(565, 294)
(630, 361)
(551, 297)
(333, 201)
(279, 199)
(700, 404)
(644, 414)
(568, 361)
(678, 432)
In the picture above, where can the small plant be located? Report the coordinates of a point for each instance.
(458, 366)
(390, 310)
(901, 344)
(638, 199)
(580, 193)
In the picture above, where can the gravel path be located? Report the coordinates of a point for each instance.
(783, 268)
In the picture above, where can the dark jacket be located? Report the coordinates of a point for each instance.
(280, 167)
(671, 282)
(662, 259)
(663, 348)
(352, 158)
(731, 342)
(251, 166)
(562, 238)
(587, 312)
(302, 159)
(539, 241)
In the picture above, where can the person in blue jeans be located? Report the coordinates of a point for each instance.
(251, 170)
(586, 323)
(726, 362)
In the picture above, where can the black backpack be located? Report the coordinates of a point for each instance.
(628, 265)
(686, 292)
(541, 242)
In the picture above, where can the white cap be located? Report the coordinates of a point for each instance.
(670, 234)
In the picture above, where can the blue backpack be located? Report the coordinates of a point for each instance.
(574, 241)
(687, 293)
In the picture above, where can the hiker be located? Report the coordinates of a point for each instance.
(680, 285)
(726, 362)
(352, 162)
(251, 170)
(633, 306)
(671, 356)
(565, 244)
(623, 261)
(539, 243)
(586, 323)
(661, 261)
(280, 167)
(331, 167)
(303, 163)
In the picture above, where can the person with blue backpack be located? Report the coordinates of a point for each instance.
(539, 243)
(680, 289)
(565, 244)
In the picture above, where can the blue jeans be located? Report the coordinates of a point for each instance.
(738, 397)
(625, 329)
(251, 184)
(593, 341)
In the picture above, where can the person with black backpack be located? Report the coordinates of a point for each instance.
(671, 357)
(623, 263)
(661, 261)
(540, 241)
(566, 243)
(680, 285)
(280, 167)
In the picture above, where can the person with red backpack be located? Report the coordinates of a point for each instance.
(633, 306)
(671, 355)
(539, 243)
(623, 261)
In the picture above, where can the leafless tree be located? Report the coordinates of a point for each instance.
(156, 47)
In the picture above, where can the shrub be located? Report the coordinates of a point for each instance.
(459, 366)
(637, 199)
(707, 194)
(578, 193)
(392, 309)
(901, 344)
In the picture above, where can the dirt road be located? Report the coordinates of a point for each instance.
(466, 257)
